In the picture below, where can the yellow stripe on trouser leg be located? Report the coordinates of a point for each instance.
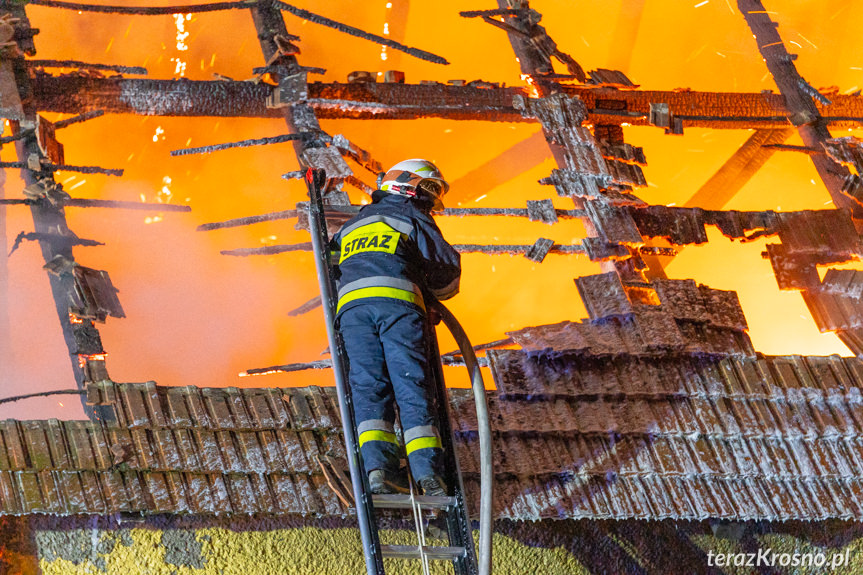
(377, 435)
(423, 443)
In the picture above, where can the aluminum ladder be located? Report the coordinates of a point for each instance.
(460, 551)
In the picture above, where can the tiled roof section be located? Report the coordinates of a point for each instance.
(575, 436)
(773, 438)
(660, 317)
(177, 450)
(149, 405)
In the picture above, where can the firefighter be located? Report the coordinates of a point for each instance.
(393, 261)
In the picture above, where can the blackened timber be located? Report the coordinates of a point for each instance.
(319, 364)
(531, 60)
(299, 117)
(459, 212)
(269, 250)
(147, 97)
(561, 115)
(318, 19)
(47, 167)
(236, 222)
(461, 248)
(49, 219)
(240, 144)
(121, 205)
(87, 65)
(78, 119)
(82, 338)
(145, 10)
(800, 106)
(92, 203)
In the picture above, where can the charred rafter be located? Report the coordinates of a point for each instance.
(324, 21)
(219, 6)
(719, 110)
(145, 10)
(241, 144)
(92, 203)
(799, 101)
(86, 65)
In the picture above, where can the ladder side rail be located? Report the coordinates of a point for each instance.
(315, 180)
(484, 432)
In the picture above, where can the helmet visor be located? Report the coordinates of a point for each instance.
(433, 188)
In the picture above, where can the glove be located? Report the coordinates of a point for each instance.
(434, 316)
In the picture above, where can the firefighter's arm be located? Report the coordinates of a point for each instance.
(441, 263)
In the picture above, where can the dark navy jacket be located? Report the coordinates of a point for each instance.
(392, 249)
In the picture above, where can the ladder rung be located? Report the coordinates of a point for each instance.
(413, 552)
(398, 501)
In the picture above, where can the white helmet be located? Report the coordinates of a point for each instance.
(416, 179)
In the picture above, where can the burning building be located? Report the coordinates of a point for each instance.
(643, 421)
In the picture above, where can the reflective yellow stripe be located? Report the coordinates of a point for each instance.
(423, 443)
(377, 435)
(395, 293)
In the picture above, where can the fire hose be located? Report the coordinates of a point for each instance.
(484, 432)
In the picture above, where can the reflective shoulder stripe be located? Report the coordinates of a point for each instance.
(423, 443)
(377, 435)
(395, 223)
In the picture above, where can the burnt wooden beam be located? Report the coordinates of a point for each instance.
(144, 10)
(92, 203)
(241, 144)
(86, 65)
(80, 334)
(248, 220)
(799, 101)
(562, 116)
(148, 97)
(300, 117)
(367, 100)
(351, 30)
(490, 249)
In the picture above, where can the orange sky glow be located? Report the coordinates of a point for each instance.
(195, 317)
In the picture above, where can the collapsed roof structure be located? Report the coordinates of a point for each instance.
(656, 406)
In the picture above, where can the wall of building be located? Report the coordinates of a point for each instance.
(195, 546)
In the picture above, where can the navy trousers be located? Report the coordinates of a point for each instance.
(386, 347)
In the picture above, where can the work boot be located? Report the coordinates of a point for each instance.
(383, 482)
(433, 485)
